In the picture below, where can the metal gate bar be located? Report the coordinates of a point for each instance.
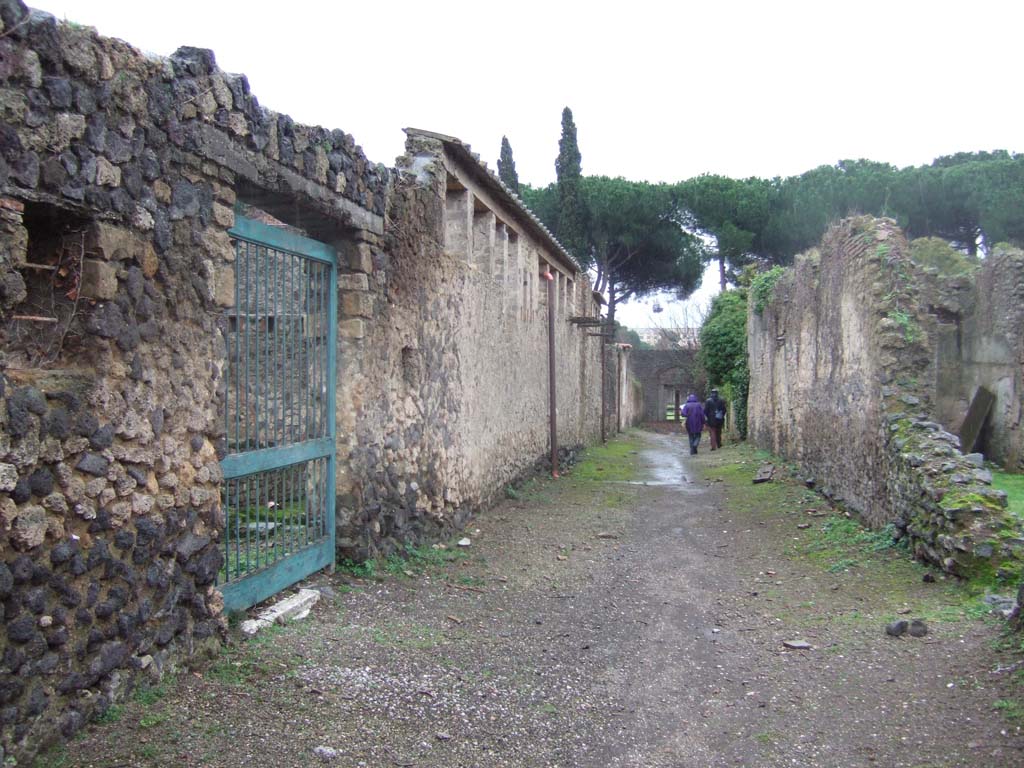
(279, 421)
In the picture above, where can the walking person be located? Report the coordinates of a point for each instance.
(714, 412)
(693, 413)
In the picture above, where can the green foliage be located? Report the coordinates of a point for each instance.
(938, 254)
(843, 543)
(1013, 485)
(963, 199)
(507, 166)
(637, 246)
(626, 335)
(911, 330)
(723, 350)
(412, 559)
(1011, 709)
(614, 461)
(147, 696)
(762, 287)
(364, 570)
(112, 714)
(734, 213)
(571, 225)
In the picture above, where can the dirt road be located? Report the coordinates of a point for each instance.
(631, 614)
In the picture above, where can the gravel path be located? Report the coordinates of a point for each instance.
(620, 622)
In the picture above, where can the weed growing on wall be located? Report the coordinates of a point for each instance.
(762, 288)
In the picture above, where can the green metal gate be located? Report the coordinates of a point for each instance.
(278, 496)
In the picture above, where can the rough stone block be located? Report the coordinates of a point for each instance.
(107, 174)
(352, 329)
(148, 260)
(29, 529)
(107, 241)
(355, 282)
(361, 259)
(224, 286)
(161, 191)
(357, 305)
(66, 127)
(8, 477)
(99, 280)
(223, 215)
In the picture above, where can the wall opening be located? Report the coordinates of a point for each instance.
(47, 323)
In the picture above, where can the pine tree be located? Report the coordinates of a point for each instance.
(507, 166)
(572, 224)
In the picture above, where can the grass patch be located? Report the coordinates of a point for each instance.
(412, 560)
(112, 714)
(615, 461)
(871, 561)
(152, 719)
(57, 757)
(149, 695)
(1013, 485)
(1011, 709)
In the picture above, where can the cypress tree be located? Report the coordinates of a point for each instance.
(572, 226)
(507, 166)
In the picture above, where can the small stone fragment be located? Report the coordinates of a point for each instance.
(444, 736)
(464, 542)
(897, 628)
(918, 628)
(326, 753)
(797, 645)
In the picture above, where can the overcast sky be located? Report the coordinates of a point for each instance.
(659, 91)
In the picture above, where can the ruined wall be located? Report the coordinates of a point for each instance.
(661, 373)
(842, 365)
(978, 320)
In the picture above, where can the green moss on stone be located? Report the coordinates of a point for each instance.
(937, 254)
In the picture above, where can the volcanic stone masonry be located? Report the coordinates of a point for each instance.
(120, 176)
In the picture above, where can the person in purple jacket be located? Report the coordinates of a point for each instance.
(693, 413)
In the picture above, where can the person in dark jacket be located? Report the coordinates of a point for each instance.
(714, 412)
(693, 413)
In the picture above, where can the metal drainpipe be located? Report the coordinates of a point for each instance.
(604, 385)
(552, 402)
(618, 390)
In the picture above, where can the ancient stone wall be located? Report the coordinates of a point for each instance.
(446, 399)
(662, 373)
(842, 366)
(120, 175)
(630, 397)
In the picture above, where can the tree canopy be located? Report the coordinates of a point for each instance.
(971, 199)
(635, 245)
